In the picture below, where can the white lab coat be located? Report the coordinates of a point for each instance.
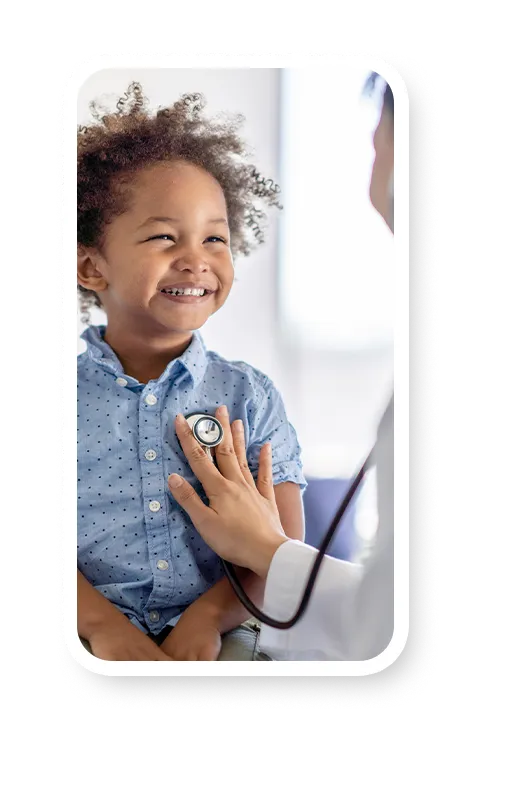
(350, 615)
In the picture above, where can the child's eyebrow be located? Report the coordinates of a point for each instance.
(168, 220)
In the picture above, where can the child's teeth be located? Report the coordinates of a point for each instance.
(188, 291)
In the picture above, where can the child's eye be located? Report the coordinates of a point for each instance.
(211, 238)
(162, 237)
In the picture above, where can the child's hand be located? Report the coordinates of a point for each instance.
(195, 637)
(122, 641)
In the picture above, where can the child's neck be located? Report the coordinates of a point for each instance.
(145, 359)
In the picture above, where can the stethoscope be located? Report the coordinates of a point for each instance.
(208, 432)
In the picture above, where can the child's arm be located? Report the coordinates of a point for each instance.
(94, 610)
(219, 610)
(290, 508)
(110, 634)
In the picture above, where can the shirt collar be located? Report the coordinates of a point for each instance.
(193, 361)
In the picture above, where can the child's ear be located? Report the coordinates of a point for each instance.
(89, 275)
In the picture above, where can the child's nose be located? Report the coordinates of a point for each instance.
(193, 263)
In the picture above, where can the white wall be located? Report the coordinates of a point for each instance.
(337, 257)
(334, 399)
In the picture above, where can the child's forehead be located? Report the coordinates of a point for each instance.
(175, 174)
(183, 185)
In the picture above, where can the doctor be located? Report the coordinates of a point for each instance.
(351, 614)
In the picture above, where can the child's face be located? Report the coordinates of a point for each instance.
(173, 235)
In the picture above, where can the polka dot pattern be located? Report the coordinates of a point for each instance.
(127, 519)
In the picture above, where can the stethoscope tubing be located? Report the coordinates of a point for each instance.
(229, 569)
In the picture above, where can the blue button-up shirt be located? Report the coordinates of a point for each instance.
(135, 544)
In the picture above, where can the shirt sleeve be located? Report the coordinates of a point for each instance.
(269, 423)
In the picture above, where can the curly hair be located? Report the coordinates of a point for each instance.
(117, 145)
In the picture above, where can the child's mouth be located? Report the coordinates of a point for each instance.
(186, 295)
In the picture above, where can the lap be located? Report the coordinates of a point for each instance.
(240, 644)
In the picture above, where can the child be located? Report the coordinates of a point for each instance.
(165, 200)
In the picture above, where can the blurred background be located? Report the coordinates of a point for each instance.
(313, 306)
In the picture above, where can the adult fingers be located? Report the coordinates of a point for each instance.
(225, 452)
(204, 469)
(264, 481)
(186, 497)
(239, 443)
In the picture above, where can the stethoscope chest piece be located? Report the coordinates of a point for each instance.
(206, 429)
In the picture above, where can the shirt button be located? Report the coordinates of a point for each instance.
(162, 564)
(150, 455)
(154, 616)
(150, 400)
(122, 382)
(154, 505)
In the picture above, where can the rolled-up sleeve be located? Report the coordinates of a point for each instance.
(269, 423)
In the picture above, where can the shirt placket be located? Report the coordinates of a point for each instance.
(155, 503)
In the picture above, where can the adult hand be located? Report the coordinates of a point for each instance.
(241, 523)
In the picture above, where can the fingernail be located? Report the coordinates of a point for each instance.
(222, 410)
(180, 419)
(175, 480)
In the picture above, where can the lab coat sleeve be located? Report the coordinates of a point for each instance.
(350, 613)
(323, 633)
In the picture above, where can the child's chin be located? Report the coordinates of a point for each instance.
(187, 326)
